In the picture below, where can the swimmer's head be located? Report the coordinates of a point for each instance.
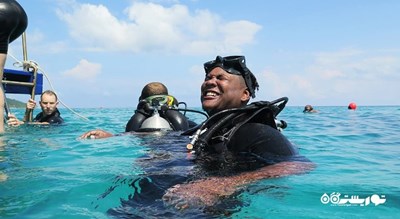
(153, 88)
(308, 108)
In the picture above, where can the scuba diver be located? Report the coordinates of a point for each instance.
(239, 143)
(156, 111)
(13, 22)
(49, 114)
(233, 125)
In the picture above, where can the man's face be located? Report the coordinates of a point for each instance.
(48, 104)
(221, 90)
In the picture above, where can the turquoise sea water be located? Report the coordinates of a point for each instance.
(47, 172)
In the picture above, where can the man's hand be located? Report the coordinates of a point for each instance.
(13, 121)
(96, 134)
(31, 104)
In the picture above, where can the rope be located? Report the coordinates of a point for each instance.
(35, 65)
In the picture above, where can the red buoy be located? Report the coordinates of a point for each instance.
(352, 106)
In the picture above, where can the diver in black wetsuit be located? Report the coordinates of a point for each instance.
(48, 103)
(239, 143)
(155, 96)
(53, 118)
(233, 125)
(13, 22)
(156, 111)
(49, 115)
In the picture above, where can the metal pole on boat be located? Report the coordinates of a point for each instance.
(26, 66)
(25, 54)
(24, 51)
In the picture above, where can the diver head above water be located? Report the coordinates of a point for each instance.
(153, 88)
(156, 94)
(228, 84)
(154, 111)
(157, 110)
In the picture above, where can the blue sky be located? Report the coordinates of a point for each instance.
(101, 53)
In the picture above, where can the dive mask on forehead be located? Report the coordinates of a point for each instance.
(234, 65)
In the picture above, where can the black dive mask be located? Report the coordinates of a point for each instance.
(234, 65)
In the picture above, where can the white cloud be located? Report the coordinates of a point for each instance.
(238, 33)
(358, 75)
(336, 78)
(355, 65)
(84, 71)
(274, 85)
(152, 27)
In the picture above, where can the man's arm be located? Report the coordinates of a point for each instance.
(206, 192)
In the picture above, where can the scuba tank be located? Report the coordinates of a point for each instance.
(155, 122)
(159, 112)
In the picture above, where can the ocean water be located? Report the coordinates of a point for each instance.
(48, 172)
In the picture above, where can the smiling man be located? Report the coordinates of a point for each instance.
(239, 143)
(228, 84)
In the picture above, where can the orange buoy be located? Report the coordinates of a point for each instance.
(352, 106)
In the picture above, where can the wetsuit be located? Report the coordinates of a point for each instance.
(54, 118)
(244, 136)
(13, 22)
(262, 141)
